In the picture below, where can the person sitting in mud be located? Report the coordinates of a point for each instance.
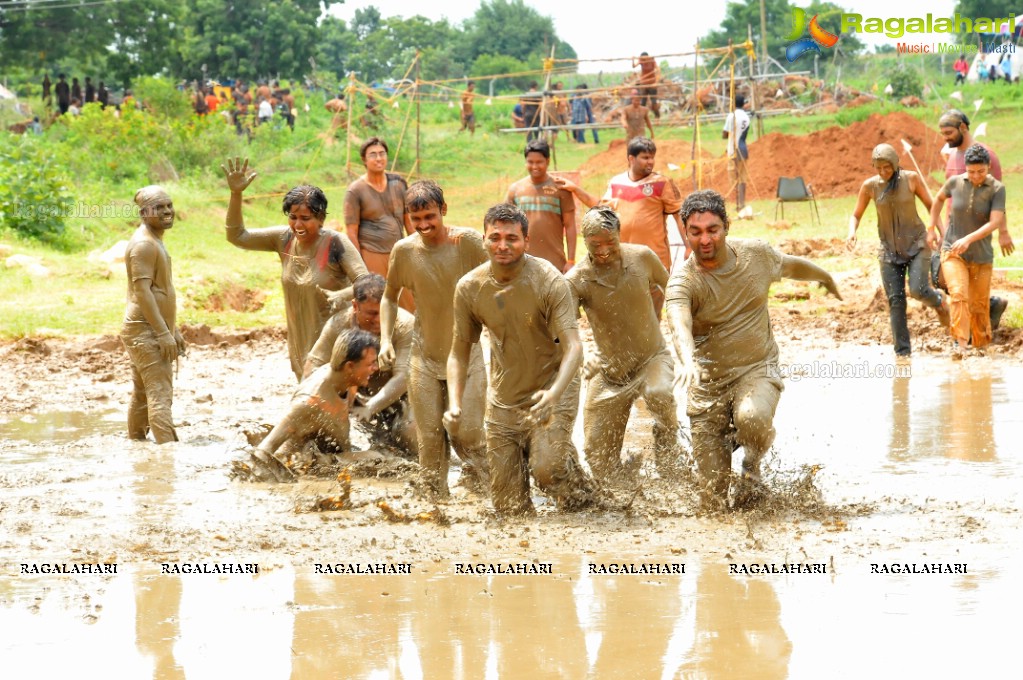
(149, 332)
(429, 264)
(904, 248)
(613, 285)
(383, 408)
(319, 408)
(717, 309)
(313, 259)
(530, 311)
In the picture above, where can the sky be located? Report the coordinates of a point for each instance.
(674, 27)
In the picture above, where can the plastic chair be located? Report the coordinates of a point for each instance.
(793, 189)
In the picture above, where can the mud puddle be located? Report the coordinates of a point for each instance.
(289, 622)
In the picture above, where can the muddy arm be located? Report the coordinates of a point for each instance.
(801, 269)
(680, 319)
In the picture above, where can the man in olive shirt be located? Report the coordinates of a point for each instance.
(613, 286)
(383, 404)
(429, 264)
(717, 308)
(549, 209)
(530, 312)
(149, 332)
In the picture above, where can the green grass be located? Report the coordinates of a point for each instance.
(79, 299)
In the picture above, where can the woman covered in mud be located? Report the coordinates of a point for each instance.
(319, 408)
(312, 258)
(967, 256)
(904, 241)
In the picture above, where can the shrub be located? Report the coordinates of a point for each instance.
(33, 191)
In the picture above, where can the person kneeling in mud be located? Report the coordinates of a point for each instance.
(319, 408)
(382, 408)
(717, 308)
(529, 309)
(614, 285)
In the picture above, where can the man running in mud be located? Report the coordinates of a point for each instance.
(642, 198)
(383, 407)
(613, 286)
(530, 313)
(717, 308)
(549, 209)
(319, 408)
(955, 129)
(634, 117)
(429, 263)
(149, 332)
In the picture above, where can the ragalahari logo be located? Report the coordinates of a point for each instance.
(801, 44)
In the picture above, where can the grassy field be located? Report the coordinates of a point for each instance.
(84, 297)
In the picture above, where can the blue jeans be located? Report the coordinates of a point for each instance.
(893, 277)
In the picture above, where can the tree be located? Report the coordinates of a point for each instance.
(511, 28)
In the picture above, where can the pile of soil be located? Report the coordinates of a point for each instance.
(835, 161)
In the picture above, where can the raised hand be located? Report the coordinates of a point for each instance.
(238, 175)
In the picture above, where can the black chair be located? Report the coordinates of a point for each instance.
(793, 189)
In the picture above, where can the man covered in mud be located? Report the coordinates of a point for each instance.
(530, 313)
(383, 407)
(643, 199)
(429, 263)
(613, 285)
(319, 408)
(149, 332)
(717, 308)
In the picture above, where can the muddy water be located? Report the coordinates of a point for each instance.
(921, 468)
(290, 623)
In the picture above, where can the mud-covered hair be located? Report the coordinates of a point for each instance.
(372, 141)
(640, 145)
(506, 212)
(309, 196)
(706, 200)
(601, 218)
(369, 287)
(351, 346)
(977, 154)
(422, 194)
(954, 118)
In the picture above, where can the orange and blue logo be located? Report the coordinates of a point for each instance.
(801, 44)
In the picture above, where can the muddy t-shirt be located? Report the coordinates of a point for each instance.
(431, 274)
(524, 317)
(380, 215)
(643, 207)
(545, 206)
(635, 121)
(731, 326)
(620, 309)
(345, 321)
(899, 226)
(146, 258)
(971, 210)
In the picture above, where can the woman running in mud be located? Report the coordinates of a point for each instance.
(904, 247)
(312, 258)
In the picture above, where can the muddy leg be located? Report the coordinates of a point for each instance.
(471, 442)
(755, 404)
(427, 398)
(605, 417)
(712, 448)
(156, 376)
(138, 409)
(553, 459)
(659, 398)
(509, 476)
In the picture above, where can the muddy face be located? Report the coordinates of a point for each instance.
(361, 371)
(367, 315)
(505, 243)
(604, 247)
(884, 170)
(429, 222)
(375, 159)
(642, 165)
(706, 234)
(977, 173)
(536, 166)
(304, 224)
(159, 214)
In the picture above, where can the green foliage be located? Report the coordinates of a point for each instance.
(162, 97)
(33, 189)
(494, 64)
(905, 81)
